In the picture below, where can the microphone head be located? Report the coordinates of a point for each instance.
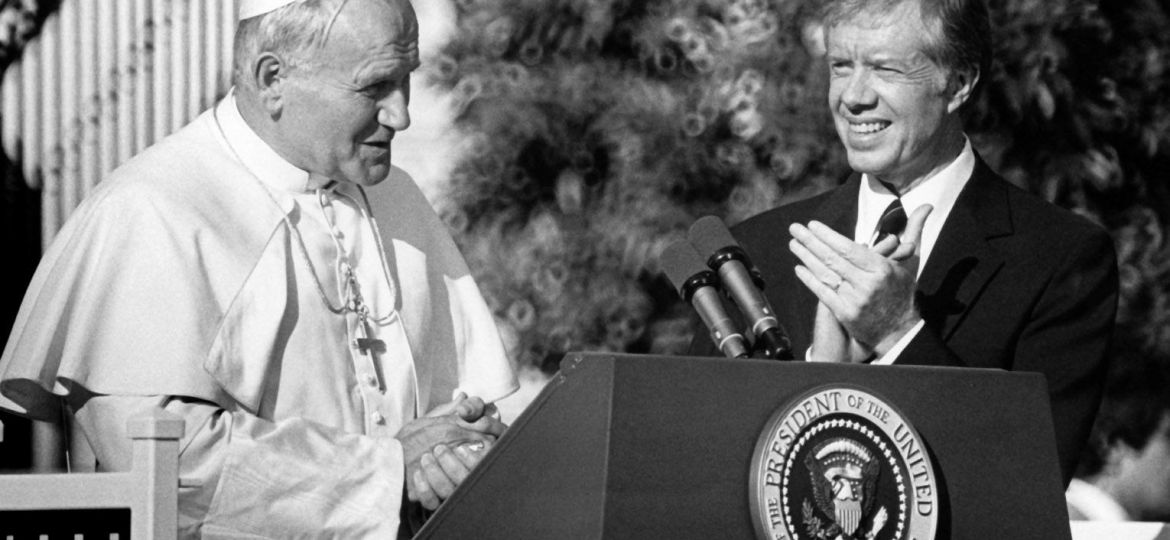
(681, 262)
(709, 235)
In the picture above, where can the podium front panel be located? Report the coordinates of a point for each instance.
(628, 446)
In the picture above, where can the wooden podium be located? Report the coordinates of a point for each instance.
(627, 446)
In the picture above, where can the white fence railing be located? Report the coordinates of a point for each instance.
(103, 80)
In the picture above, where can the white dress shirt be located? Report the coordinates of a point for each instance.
(940, 191)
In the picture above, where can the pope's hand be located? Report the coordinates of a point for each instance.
(441, 448)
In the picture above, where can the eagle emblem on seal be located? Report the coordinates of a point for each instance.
(844, 477)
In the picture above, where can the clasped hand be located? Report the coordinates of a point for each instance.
(441, 448)
(866, 293)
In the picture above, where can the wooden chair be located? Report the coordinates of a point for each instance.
(149, 490)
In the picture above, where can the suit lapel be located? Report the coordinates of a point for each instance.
(963, 262)
(839, 211)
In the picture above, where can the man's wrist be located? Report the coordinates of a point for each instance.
(891, 340)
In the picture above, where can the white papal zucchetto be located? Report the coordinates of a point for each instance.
(253, 8)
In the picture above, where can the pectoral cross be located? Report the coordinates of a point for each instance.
(366, 345)
(363, 343)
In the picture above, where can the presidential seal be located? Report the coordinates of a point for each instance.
(840, 463)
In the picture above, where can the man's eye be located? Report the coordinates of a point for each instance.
(381, 88)
(377, 89)
(840, 67)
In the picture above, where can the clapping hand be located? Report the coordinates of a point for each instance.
(866, 293)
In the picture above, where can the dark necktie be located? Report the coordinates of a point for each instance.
(893, 220)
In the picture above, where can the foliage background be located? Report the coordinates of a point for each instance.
(597, 130)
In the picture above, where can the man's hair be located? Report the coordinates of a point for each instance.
(959, 31)
(1136, 403)
(295, 32)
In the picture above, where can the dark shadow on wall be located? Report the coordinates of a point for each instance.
(20, 250)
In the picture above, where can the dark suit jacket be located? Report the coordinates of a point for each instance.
(1013, 282)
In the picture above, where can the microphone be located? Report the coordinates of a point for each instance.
(697, 284)
(710, 235)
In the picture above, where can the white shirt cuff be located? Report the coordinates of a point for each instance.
(892, 354)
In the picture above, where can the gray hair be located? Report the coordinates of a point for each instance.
(959, 31)
(295, 32)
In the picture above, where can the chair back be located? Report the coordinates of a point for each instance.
(149, 490)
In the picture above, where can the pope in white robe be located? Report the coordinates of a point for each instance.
(294, 320)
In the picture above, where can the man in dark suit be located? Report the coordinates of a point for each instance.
(982, 274)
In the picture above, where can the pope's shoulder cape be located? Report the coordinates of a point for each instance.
(131, 296)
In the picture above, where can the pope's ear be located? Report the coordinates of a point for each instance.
(269, 75)
(962, 87)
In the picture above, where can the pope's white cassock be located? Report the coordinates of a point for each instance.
(211, 277)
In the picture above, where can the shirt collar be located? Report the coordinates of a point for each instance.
(940, 191)
(257, 156)
(1095, 503)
